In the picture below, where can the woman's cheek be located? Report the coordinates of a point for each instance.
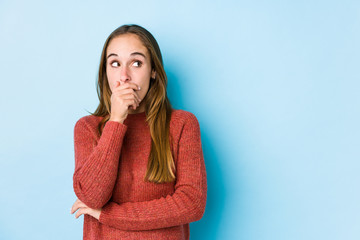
(112, 82)
(143, 91)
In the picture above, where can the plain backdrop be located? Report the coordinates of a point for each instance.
(274, 85)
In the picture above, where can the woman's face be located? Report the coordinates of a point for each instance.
(128, 60)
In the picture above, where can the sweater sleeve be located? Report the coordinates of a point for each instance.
(96, 162)
(185, 205)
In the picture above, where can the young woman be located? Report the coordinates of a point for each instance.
(139, 166)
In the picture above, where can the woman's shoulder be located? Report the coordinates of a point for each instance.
(90, 121)
(182, 114)
(184, 125)
(182, 117)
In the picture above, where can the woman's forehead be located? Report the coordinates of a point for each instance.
(126, 44)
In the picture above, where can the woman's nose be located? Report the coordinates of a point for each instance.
(124, 75)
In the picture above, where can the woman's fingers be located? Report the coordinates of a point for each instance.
(131, 103)
(128, 88)
(130, 100)
(78, 204)
(127, 91)
(73, 207)
(80, 208)
(132, 96)
(82, 211)
(128, 85)
(124, 97)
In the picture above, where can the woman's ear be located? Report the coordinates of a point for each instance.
(153, 74)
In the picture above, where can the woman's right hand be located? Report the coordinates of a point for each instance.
(122, 98)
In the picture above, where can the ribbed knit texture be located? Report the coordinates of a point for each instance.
(109, 174)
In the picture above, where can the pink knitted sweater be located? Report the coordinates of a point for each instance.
(109, 173)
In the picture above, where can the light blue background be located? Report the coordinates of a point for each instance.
(274, 85)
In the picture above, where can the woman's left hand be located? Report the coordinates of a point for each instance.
(84, 210)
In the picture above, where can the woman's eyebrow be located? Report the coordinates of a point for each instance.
(138, 53)
(132, 54)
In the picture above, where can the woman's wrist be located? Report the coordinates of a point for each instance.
(119, 120)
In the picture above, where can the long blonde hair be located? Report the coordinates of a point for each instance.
(161, 167)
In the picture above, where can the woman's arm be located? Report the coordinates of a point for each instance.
(186, 205)
(96, 164)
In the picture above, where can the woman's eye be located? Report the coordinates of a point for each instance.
(137, 64)
(114, 64)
